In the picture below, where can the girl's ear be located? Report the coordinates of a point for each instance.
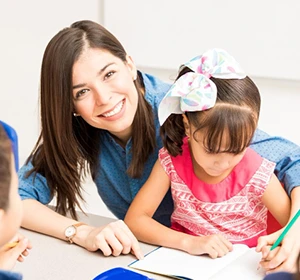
(131, 66)
(186, 125)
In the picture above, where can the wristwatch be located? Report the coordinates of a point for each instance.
(71, 231)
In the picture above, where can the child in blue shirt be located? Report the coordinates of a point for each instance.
(10, 213)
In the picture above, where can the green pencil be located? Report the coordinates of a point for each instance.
(282, 235)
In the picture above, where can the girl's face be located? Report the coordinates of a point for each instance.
(104, 92)
(215, 166)
(10, 220)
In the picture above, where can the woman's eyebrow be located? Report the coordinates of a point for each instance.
(98, 74)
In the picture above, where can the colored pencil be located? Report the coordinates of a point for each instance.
(12, 244)
(287, 228)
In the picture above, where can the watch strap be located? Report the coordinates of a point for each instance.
(70, 239)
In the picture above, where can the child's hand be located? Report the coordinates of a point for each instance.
(214, 245)
(9, 255)
(282, 258)
(113, 239)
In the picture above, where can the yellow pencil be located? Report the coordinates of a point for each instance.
(12, 244)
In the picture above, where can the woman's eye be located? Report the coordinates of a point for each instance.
(81, 93)
(109, 74)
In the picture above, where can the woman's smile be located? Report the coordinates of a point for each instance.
(115, 111)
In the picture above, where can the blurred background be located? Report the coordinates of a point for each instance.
(159, 35)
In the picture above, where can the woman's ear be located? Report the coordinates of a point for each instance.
(186, 125)
(131, 67)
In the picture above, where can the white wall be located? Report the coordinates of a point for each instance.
(261, 35)
(27, 26)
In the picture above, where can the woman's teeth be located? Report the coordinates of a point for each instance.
(117, 110)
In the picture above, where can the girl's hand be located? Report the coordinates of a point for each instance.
(282, 258)
(113, 239)
(214, 245)
(9, 255)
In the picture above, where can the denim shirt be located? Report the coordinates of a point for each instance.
(9, 275)
(279, 276)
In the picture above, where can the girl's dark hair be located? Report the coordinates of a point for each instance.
(235, 114)
(5, 168)
(68, 146)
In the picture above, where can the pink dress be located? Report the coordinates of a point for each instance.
(232, 207)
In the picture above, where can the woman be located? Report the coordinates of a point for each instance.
(99, 115)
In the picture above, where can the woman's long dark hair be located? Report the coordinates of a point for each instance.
(236, 112)
(68, 146)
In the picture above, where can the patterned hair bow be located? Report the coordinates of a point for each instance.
(194, 91)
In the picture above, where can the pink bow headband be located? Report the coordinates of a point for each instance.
(194, 91)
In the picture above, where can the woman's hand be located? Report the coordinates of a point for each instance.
(282, 258)
(113, 239)
(214, 245)
(10, 255)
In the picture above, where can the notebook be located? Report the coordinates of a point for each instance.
(242, 262)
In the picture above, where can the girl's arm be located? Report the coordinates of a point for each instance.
(277, 201)
(112, 239)
(146, 229)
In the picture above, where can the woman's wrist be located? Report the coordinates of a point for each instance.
(295, 200)
(295, 205)
(82, 234)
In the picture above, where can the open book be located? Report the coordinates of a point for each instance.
(242, 262)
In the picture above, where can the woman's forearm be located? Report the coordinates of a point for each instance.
(108, 238)
(295, 204)
(40, 218)
(295, 200)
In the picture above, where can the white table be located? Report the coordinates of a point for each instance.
(54, 259)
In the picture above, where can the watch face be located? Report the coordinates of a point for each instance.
(70, 231)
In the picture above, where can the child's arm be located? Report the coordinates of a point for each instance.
(146, 229)
(9, 255)
(277, 201)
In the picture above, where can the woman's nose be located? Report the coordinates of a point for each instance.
(102, 97)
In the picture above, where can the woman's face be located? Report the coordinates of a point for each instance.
(12, 217)
(104, 92)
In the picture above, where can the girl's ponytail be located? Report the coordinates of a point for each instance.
(172, 133)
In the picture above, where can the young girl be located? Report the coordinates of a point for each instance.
(220, 187)
(99, 114)
(10, 212)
